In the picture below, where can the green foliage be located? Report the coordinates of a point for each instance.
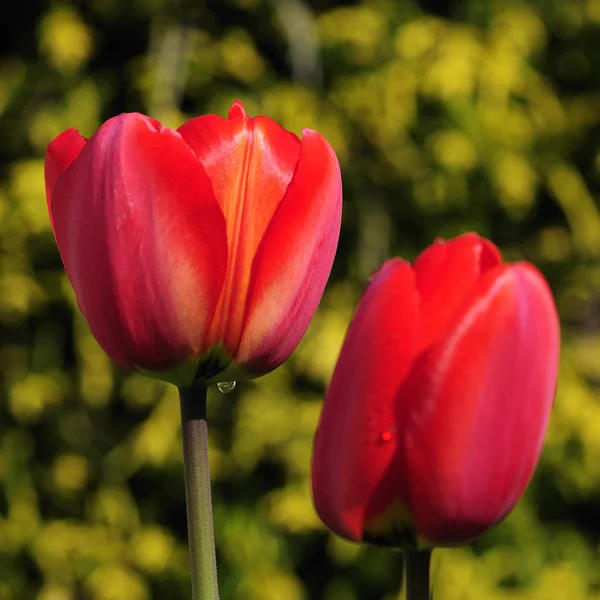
(486, 120)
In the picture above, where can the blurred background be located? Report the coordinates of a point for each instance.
(446, 117)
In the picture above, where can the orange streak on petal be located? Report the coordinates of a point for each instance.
(250, 163)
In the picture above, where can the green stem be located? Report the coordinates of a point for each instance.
(203, 564)
(416, 574)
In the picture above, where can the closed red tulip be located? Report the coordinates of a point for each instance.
(436, 413)
(197, 254)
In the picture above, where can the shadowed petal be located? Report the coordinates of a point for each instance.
(61, 152)
(356, 440)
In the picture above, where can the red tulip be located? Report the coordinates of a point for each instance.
(437, 409)
(198, 254)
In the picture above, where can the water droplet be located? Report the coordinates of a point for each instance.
(226, 387)
(387, 435)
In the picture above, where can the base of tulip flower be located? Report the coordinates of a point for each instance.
(203, 564)
(416, 574)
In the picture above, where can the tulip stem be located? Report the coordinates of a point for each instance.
(416, 574)
(201, 537)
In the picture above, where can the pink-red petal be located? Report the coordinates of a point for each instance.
(137, 225)
(356, 440)
(476, 406)
(292, 264)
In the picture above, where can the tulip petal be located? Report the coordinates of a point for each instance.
(137, 224)
(356, 440)
(446, 273)
(294, 260)
(476, 406)
(250, 163)
(61, 152)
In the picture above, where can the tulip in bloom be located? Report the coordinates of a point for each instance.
(196, 255)
(436, 413)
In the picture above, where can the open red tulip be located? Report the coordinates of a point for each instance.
(436, 413)
(196, 255)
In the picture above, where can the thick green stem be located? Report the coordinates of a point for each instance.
(203, 564)
(416, 574)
